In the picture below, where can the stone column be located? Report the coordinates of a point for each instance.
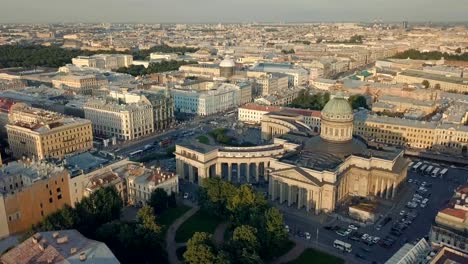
(229, 172)
(300, 197)
(219, 170)
(393, 190)
(282, 192)
(257, 171)
(247, 172)
(290, 194)
(387, 193)
(238, 172)
(308, 199)
(317, 202)
(273, 190)
(191, 176)
(382, 188)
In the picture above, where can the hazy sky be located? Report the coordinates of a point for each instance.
(193, 11)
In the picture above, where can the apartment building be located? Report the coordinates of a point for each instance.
(125, 121)
(161, 101)
(81, 84)
(443, 82)
(61, 246)
(29, 191)
(33, 132)
(142, 181)
(273, 83)
(296, 76)
(206, 98)
(443, 137)
(451, 223)
(104, 61)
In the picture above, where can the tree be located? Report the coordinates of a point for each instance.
(426, 83)
(172, 201)
(273, 234)
(159, 200)
(358, 101)
(199, 249)
(214, 196)
(458, 50)
(245, 204)
(148, 220)
(437, 86)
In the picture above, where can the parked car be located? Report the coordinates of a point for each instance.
(353, 227)
(307, 235)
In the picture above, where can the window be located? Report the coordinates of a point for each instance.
(59, 197)
(51, 200)
(58, 190)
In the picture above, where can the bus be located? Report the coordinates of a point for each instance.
(435, 172)
(135, 153)
(443, 172)
(423, 168)
(342, 245)
(428, 170)
(415, 167)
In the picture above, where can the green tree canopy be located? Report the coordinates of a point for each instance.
(426, 83)
(199, 249)
(358, 101)
(307, 101)
(159, 200)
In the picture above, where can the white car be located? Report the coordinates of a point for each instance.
(353, 227)
(402, 212)
(376, 240)
(286, 227)
(417, 196)
(307, 235)
(423, 205)
(364, 237)
(410, 180)
(425, 200)
(185, 195)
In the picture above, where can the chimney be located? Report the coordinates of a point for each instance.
(83, 256)
(62, 240)
(73, 250)
(55, 234)
(36, 238)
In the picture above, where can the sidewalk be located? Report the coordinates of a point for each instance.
(171, 245)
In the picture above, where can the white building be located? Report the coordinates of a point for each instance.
(104, 61)
(206, 98)
(125, 121)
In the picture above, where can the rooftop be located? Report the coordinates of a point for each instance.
(64, 246)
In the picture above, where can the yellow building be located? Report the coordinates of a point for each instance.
(29, 191)
(82, 84)
(449, 138)
(34, 132)
(449, 84)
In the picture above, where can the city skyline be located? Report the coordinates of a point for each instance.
(210, 11)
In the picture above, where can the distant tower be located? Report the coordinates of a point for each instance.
(405, 25)
(227, 67)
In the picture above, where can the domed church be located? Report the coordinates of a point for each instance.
(326, 169)
(313, 173)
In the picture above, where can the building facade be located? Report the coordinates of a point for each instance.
(30, 190)
(123, 121)
(315, 173)
(82, 84)
(38, 133)
(104, 61)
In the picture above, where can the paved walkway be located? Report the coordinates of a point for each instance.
(218, 237)
(171, 245)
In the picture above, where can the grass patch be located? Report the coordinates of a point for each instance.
(199, 222)
(167, 217)
(317, 257)
(203, 139)
(287, 246)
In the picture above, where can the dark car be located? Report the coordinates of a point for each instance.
(361, 256)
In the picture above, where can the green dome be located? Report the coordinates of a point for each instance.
(337, 108)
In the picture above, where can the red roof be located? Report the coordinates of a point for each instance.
(304, 112)
(458, 213)
(258, 107)
(5, 105)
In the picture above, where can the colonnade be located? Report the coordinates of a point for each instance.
(383, 188)
(302, 197)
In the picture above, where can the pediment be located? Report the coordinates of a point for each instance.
(297, 174)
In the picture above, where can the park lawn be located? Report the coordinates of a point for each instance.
(203, 139)
(199, 222)
(287, 246)
(317, 257)
(167, 217)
